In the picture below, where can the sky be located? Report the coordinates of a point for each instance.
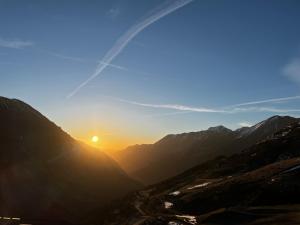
(132, 71)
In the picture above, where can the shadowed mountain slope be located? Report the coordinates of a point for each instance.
(258, 186)
(45, 173)
(174, 154)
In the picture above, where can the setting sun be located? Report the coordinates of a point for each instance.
(95, 139)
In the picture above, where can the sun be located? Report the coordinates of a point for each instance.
(95, 139)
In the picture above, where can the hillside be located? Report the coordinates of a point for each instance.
(258, 186)
(176, 153)
(45, 173)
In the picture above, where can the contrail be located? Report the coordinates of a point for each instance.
(123, 41)
(173, 106)
(78, 59)
(226, 110)
(272, 100)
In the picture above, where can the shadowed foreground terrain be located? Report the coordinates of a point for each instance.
(258, 186)
(46, 174)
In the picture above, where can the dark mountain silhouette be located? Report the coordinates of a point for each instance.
(258, 186)
(174, 154)
(47, 174)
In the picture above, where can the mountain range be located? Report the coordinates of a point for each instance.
(258, 186)
(219, 176)
(176, 153)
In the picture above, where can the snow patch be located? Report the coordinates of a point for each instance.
(189, 219)
(175, 193)
(168, 205)
(199, 185)
(174, 223)
(285, 133)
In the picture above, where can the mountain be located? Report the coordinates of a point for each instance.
(258, 186)
(46, 174)
(176, 153)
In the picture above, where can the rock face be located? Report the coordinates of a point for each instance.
(257, 186)
(174, 154)
(45, 173)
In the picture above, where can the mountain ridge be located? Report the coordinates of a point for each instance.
(143, 162)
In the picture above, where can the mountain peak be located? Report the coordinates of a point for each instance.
(277, 117)
(219, 128)
(267, 125)
(274, 120)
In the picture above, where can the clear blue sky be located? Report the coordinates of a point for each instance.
(184, 72)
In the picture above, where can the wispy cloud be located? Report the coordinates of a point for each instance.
(60, 55)
(15, 43)
(292, 70)
(113, 12)
(124, 40)
(245, 124)
(71, 58)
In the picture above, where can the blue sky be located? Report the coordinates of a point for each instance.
(185, 71)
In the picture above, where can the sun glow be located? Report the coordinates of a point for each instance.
(95, 139)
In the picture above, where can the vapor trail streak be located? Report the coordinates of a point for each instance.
(123, 41)
(173, 106)
(272, 100)
(227, 110)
